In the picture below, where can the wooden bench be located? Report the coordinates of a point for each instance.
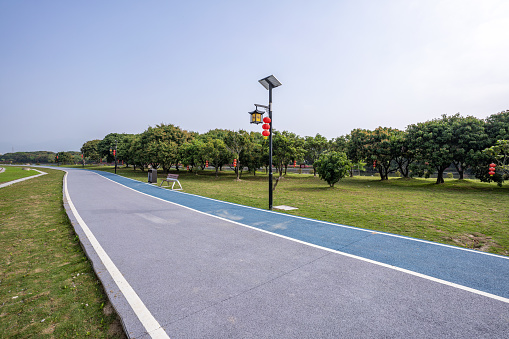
(174, 178)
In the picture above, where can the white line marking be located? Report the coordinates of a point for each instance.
(151, 325)
(420, 275)
(5, 184)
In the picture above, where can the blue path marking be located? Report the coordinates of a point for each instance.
(482, 271)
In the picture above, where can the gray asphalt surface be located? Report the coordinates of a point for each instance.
(203, 277)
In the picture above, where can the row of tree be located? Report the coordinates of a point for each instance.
(41, 157)
(423, 149)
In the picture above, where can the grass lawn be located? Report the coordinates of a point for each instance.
(464, 213)
(13, 173)
(47, 286)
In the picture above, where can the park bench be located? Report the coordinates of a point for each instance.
(174, 178)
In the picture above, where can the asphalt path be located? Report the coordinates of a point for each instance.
(182, 266)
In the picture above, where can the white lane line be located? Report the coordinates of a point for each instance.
(5, 184)
(151, 325)
(420, 275)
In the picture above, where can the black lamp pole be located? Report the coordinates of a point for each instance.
(269, 83)
(270, 146)
(115, 156)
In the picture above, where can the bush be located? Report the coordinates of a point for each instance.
(332, 167)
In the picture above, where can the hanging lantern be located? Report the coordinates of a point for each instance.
(266, 120)
(374, 164)
(256, 116)
(207, 163)
(266, 133)
(266, 126)
(234, 162)
(294, 163)
(114, 152)
(492, 169)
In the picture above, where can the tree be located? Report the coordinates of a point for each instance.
(64, 158)
(90, 150)
(286, 147)
(193, 153)
(405, 156)
(432, 141)
(497, 127)
(500, 154)
(236, 142)
(252, 157)
(468, 138)
(314, 147)
(104, 146)
(215, 151)
(381, 147)
(332, 167)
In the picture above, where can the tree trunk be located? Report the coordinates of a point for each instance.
(459, 168)
(217, 168)
(440, 176)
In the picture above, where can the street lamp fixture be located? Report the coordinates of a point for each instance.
(257, 115)
(269, 83)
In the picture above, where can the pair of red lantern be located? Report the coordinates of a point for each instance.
(492, 169)
(266, 127)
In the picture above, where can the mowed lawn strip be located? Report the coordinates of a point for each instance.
(47, 285)
(14, 173)
(464, 213)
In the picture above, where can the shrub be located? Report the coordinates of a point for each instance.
(332, 167)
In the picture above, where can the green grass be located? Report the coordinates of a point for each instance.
(13, 173)
(47, 285)
(464, 213)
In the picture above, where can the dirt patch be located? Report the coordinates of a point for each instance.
(476, 241)
(49, 330)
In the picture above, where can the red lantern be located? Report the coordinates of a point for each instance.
(492, 169)
(266, 126)
(207, 163)
(114, 152)
(374, 164)
(266, 120)
(294, 163)
(234, 162)
(265, 133)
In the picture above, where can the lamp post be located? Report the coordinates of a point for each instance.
(115, 155)
(269, 83)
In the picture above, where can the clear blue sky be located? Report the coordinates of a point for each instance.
(73, 71)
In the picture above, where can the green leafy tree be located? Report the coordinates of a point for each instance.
(497, 127)
(500, 155)
(468, 140)
(64, 158)
(381, 147)
(193, 154)
(107, 143)
(252, 157)
(332, 167)
(90, 150)
(432, 142)
(236, 143)
(286, 147)
(314, 147)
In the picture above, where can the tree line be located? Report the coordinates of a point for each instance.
(422, 149)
